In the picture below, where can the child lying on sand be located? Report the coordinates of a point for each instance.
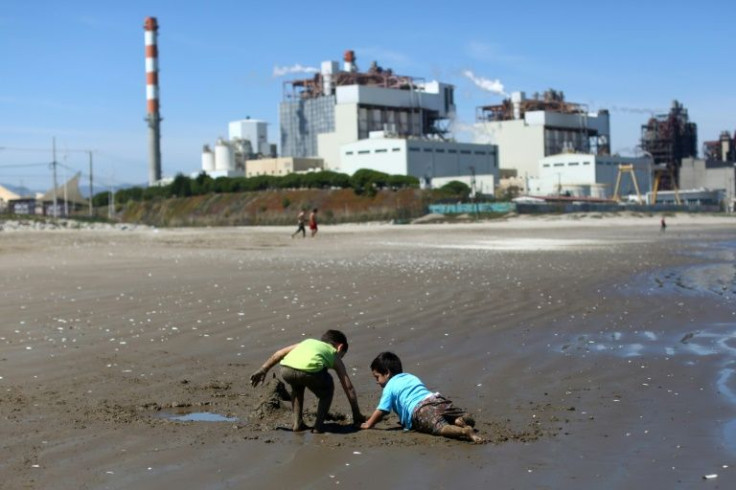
(417, 407)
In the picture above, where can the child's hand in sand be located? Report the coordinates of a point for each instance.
(257, 377)
(358, 419)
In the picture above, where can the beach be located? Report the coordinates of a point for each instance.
(593, 352)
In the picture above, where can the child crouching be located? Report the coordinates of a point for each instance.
(417, 407)
(304, 365)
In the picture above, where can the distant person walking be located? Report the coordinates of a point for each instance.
(662, 225)
(301, 220)
(313, 222)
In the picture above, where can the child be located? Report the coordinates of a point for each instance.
(416, 406)
(300, 221)
(305, 365)
(313, 222)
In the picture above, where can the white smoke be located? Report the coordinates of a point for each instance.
(494, 86)
(464, 131)
(635, 110)
(280, 71)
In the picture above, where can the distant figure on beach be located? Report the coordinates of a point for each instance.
(417, 407)
(305, 365)
(313, 222)
(301, 220)
(662, 225)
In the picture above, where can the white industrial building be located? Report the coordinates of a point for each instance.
(594, 176)
(433, 162)
(337, 107)
(527, 130)
(247, 140)
(253, 131)
(282, 166)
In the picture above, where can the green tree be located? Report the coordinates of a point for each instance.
(457, 188)
(366, 181)
(403, 181)
(181, 186)
(203, 184)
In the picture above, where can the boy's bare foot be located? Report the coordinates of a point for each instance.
(472, 436)
(300, 427)
(318, 430)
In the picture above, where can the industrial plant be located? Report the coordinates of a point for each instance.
(541, 146)
(345, 119)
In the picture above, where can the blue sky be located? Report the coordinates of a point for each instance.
(74, 70)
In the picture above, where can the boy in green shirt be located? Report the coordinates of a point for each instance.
(305, 365)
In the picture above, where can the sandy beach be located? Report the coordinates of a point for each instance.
(593, 351)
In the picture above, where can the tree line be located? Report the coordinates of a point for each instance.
(363, 182)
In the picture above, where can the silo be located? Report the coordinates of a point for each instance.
(224, 159)
(208, 159)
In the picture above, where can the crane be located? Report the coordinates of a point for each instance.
(622, 169)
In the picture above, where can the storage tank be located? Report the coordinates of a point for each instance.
(224, 158)
(208, 159)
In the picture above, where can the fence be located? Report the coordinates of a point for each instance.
(470, 208)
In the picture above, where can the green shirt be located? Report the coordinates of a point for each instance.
(311, 356)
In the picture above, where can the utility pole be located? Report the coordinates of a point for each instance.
(473, 191)
(91, 187)
(53, 165)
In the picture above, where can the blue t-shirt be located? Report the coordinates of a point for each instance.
(402, 394)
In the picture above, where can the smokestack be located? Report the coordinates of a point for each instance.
(349, 59)
(150, 26)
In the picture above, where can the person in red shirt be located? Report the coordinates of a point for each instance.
(313, 222)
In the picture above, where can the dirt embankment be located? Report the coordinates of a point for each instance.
(278, 207)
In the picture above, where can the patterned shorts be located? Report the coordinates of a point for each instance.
(433, 413)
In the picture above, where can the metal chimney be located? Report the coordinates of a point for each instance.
(150, 26)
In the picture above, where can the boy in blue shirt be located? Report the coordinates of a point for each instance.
(417, 407)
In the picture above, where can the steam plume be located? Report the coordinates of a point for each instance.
(494, 86)
(280, 71)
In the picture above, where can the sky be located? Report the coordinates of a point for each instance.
(73, 73)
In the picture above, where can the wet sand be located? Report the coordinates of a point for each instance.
(593, 353)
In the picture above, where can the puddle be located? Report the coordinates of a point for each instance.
(515, 244)
(198, 417)
(715, 342)
(715, 278)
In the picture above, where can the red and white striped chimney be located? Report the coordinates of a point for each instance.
(153, 118)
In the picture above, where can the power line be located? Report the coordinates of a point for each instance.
(17, 165)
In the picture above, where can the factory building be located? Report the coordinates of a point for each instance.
(247, 140)
(723, 149)
(593, 176)
(433, 162)
(255, 132)
(337, 107)
(528, 130)
(282, 166)
(711, 175)
(669, 138)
